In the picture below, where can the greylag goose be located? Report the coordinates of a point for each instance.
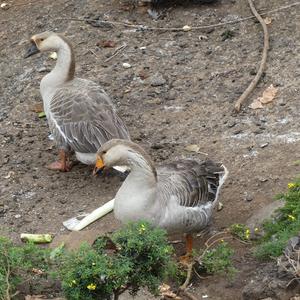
(178, 196)
(80, 114)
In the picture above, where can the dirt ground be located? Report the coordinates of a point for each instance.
(180, 90)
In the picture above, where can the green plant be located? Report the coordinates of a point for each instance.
(241, 231)
(284, 225)
(17, 263)
(139, 257)
(218, 260)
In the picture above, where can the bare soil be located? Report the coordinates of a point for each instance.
(180, 90)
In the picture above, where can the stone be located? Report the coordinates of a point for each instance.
(157, 80)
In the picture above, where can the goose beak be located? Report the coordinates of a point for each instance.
(99, 166)
(32, 50)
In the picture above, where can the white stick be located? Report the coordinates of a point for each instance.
(75, 225)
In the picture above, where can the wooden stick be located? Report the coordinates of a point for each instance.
(263, 62)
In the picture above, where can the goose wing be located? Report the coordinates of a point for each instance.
(83, 117)
(190, 182)
(188, 191)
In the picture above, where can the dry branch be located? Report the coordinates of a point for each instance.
(263, 62)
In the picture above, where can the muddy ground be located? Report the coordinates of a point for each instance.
(180, 90)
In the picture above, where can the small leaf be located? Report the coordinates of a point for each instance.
(269, 94)
(42, 114)
(256, 104)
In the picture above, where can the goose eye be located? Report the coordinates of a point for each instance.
(103, 152)
(41, 40)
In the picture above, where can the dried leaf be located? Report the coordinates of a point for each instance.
(256, 104)
(37, 271)
(192, 148)
(38, 107)
(269, 94)
(165, 291)
(106, 44)
(268, 20)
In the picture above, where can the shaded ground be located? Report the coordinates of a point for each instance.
(192, 81)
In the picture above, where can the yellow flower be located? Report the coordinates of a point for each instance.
(291, 185)
(73, 282)
(93, 264)
(222, 241)
(256, 229)
(291, 217)
(91, 287)
(142, 229)
(247, 234)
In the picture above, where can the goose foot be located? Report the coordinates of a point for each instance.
(186, 259)
(62, 164)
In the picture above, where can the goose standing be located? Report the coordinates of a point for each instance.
(80, 114)
(178, 197)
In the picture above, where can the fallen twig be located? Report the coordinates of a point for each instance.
(189, 295)
(116, 52)
(263, 62)
(144, 27)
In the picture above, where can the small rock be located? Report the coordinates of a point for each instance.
(262, 179)
(264, 145)
(248, 197)
(237, 131)
(186, 28)
(157, 80)
(42, 69)
(231, 124)
(17, 216)
(4, 6)
(220, 206)
(126, 65)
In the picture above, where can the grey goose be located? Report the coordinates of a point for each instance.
(80, 114)
(178, 196)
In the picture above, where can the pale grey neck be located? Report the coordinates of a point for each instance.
(63, 70)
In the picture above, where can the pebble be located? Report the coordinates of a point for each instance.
(220, 206)
(126, 65)
(248, 197)
(264, 145)
(157, 80)
(231, 124)
(17, 216)
(42, 69)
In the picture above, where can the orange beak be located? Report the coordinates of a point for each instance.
(99, 166)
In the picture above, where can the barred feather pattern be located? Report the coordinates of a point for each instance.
(188, 191)
(82, 117)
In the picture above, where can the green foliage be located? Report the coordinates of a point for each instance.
(241, 231)
(284, 225)
(141, 258)
(219, 260)
(16, 262)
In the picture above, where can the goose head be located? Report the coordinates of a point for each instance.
(117, 152)
(45, 41)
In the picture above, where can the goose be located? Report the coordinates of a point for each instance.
(178, 197)
(80, 114)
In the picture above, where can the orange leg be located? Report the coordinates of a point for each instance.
(62, 164)
(189, 244)
(187, 258)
